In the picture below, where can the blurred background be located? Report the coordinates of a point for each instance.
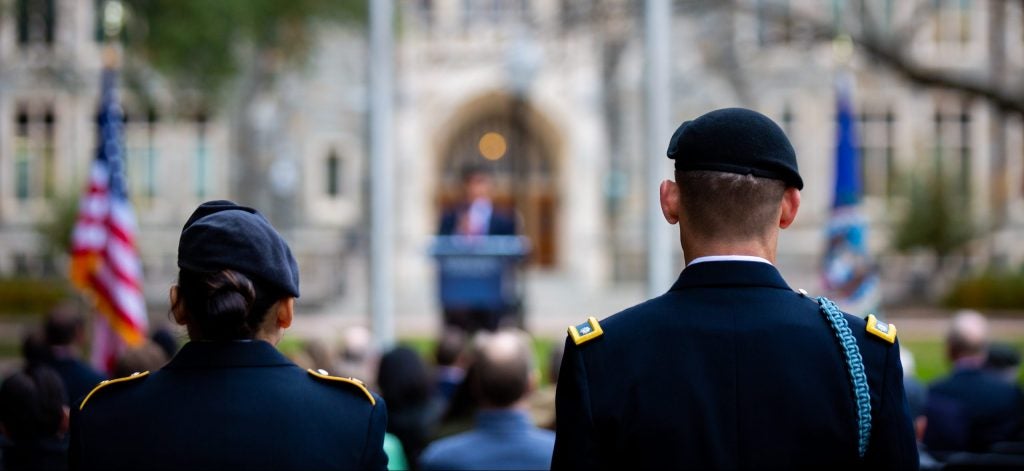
(268, 103)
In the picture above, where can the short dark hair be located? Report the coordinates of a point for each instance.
(225, 305)
(729, 206)
(32, 404)
(62, 325)
(503, 377)
(474, 170)
(449, 346)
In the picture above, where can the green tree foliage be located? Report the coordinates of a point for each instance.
(937, 219)
(201, 44)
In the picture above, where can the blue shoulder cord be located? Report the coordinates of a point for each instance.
(855, 366)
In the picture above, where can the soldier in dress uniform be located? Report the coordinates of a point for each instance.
(732, 368)
(229, 399)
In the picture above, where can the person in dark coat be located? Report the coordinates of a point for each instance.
(64, 331)
(228, 399)
(476, 216)
(732, 368)
(972, 408)
(33, 420)
(503, 436)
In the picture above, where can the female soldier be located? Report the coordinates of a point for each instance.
(229, 399)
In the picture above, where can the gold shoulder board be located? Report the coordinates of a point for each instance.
(354, 382)
(881, 330)
(108, 382)
(586, 331)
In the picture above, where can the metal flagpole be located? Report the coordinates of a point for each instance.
(381, 182)
(657, 24)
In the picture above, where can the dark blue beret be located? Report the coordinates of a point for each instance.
(735, 140)
(223, 235)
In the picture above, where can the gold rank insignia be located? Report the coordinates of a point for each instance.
(321, 374)
(586, 331)
(881, 330)
(108, 382)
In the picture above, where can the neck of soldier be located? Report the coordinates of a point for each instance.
(695, 247)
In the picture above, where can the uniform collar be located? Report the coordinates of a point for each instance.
(730, 274)
(728, 258)
(200, 354)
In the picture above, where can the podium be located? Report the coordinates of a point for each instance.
(480, 274)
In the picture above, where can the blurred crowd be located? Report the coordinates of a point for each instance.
(483, 401)
(973, 417)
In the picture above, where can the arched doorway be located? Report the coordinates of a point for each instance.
(507, 137)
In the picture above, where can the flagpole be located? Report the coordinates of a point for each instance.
(381, 183)
(657, 24)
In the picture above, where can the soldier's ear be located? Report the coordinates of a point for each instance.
(180, 316)
(285, 312)
(669, 196)
(790, 206)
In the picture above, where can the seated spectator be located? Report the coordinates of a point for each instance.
(448, 371)
(1004, 361)
(358, 356)
(971, 409)
(405, 385)
(504, 437)
(146, 357)
(64, 332)
(917, 397)
(33, 420)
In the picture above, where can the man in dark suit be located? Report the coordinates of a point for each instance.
(476, 215)
(732, 368)
(972, 408)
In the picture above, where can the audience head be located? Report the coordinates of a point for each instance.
(32, 405)
(967, 339)
(146, 357)
(34, 349)
(238, 278)
(357, 344)
(165, 339)
(63, 326)
(449, 347)
(403, 379)
(504, 366)
(1004, 360)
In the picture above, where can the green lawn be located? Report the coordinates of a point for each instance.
(930, 358)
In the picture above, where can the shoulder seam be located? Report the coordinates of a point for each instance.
(352, 381)
(108, 382)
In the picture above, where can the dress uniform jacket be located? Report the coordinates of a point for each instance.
(229, 405)
(729, 369)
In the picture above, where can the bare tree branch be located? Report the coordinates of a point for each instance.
(893, 50)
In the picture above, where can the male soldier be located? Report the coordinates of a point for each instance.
(731, 368)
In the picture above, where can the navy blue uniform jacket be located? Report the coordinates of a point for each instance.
(729, 369)
(229, 405)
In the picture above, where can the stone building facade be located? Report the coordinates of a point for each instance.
(561, 82)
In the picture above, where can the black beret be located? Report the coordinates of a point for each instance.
(223, 235)
(735, 140)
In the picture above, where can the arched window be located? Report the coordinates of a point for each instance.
(333, 174)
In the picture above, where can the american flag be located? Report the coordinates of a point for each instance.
(104, 260)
